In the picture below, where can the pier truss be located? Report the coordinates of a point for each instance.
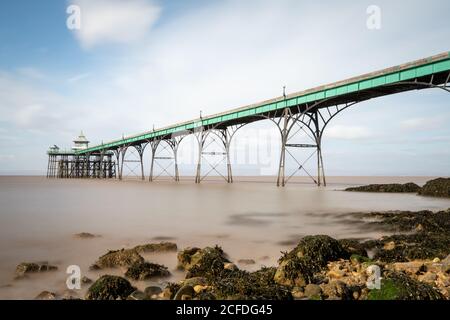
(307, 112)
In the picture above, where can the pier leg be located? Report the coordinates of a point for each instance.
(281, 168)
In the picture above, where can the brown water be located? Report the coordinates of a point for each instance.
(250, 219)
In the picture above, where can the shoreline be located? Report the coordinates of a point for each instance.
(318, 268)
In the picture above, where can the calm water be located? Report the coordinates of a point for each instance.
(249, 219)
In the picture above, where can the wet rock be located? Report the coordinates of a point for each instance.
(432, 241)
(85, 235)
(202, 262)
(118, 258)
(152, 291)
(313, 291)
(439, 187)
(246, 261)
(199, 288)
(170, 290)
(86, 280)
(156, 247)
(195, 281)
(243, 285)
(398, 286)
(109, 287)
(187, 258)
(230, 266)
(336, 290)
(137, 295)
(353, 246)
(30, 267)
(298, 293)
(146, 270)
(184, 291)
(46, 295)
(389, 246)
(311, 255)
(70, 295)
(391, 187)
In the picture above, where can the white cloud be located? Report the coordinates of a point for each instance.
(348, 132)
(422, 123)
(114, 21)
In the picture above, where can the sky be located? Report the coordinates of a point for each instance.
(137, 64)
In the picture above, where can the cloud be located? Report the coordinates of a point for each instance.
(114, 21)
(348, 132)
(78, 77)
(31, 73)
(422, 123)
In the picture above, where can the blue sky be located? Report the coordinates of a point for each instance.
(139, 63)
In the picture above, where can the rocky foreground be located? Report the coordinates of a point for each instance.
(414, 264)
(439, 187)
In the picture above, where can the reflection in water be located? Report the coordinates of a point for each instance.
(249, 220)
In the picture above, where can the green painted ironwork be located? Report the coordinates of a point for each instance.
(412, 70)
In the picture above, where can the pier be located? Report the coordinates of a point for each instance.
(309, 111)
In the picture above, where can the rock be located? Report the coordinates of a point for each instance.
(389, 246)
(353, 246)
(186, 258)
(439, 187)
(146, 270)
(156, 247)
(398, 286)
(413, 267)
(184, 291)
(298, 293)
(244, 285)
(137, 295)
(30, 267)
(170, 290)
(195, 281)
(313, 291)
(109, 287)
(118, 258)
(390, 187)
(311, 255)
(428, 277)
(199, 288)
(336, 290)
(357, 259)
(246, 261)
(446, 264)
(86, 280)
(85, 235)
(46, 295)
(152, 290)
(70, 295)
(230, 266)
(202, 262)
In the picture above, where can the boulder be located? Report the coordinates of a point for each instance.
(336, 290)
(146, 270)
(439, 187)
(202, 262)
(118, 258)
(85, 235)
(311, 255)
(30, 267)
(156, 247)
(109, 287)
(46, 295)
